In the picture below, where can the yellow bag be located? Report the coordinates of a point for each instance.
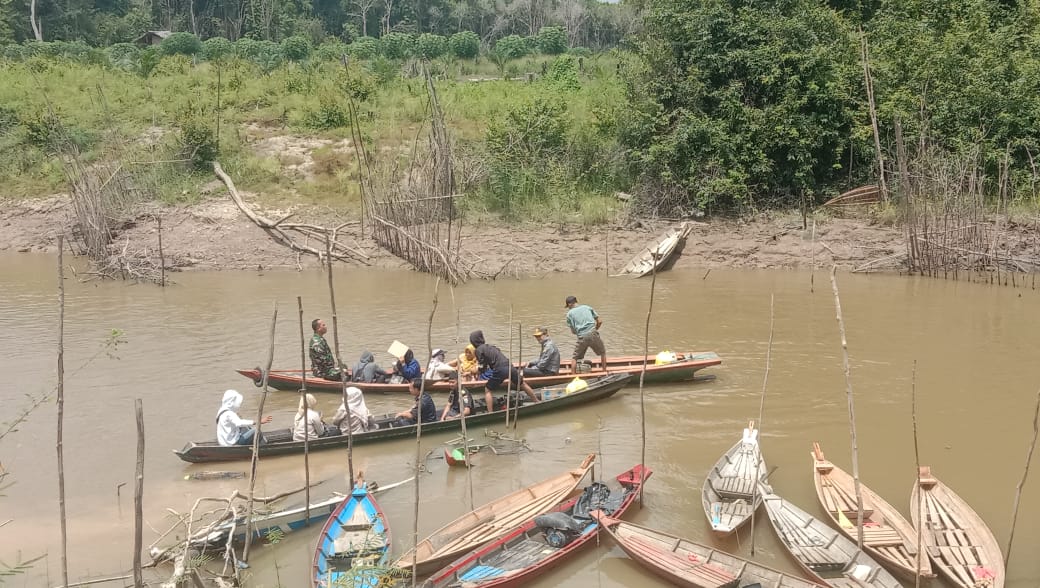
(666, 357)
(576, 385)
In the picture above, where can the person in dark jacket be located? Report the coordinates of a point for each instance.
(491, 358)
(424, 407)
(366, 370)
(407, 367)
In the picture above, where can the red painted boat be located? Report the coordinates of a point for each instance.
(541, 542)
(683, 368)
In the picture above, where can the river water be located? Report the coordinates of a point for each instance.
(976, 380)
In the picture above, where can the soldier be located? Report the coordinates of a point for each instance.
(322, 363)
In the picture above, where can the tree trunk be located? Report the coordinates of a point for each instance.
(32, 20)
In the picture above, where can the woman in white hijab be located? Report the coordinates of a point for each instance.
(361, 419)
(308, 420)
(231, 428)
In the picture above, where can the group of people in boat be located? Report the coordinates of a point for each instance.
(478, 361)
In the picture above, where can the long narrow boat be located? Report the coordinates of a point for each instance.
(354, 545)
(960, 544)
(730, 493)
(662, 252)
(685, 367)
(279, 441)
(887, 536)
(540, 543)
(490, 521)
(693, 565)
(824, 553)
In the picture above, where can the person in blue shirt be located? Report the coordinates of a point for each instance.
(407, 367)
(424, 407)
(585, 323)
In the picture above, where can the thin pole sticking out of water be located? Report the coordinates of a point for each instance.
(1022, 482)
(520, 362)
(139, 495)
(418, 433)
(61, 410)
(162, 258)
(852, 412)
(761, 411)
(642, 375)
(812, 270)
(342, 368)
(256, 438)
(509, 375)
(306, 430)
(917, 463)
(460, 390)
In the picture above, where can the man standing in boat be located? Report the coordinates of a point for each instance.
(548, 362)
(322, 363)
(585, 323)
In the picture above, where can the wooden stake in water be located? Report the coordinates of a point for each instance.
(418, 432)
(306, 430)
(761, 411)
(642, 375)
(1022, 482)
(509, 376)
(917, 465)
(257, 436)
(342, 368)
(852, 412)
(139, 495)
(61, 410)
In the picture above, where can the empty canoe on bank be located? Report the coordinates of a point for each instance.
(661, 253)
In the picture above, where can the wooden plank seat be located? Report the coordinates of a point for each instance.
(881, 536)
(734, 487)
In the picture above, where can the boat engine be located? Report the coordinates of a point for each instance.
(559, 528)
(559, 538)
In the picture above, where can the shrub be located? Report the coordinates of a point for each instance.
(246, 48)
(365, 47)
(296, 48)
(8, 119)
(397, 45)
(563, 73)
(579, 52)
(511, 47)
(529, 133)
(552, 40)
(357, 83)
(431, 46)
(146, 62)
(124, 56)
(465, 44)
(268, 55)
(172, 65)
(332, 50)
(330, 114)
(216, 48)
(180, 44)
(46, 129)
(197, 138)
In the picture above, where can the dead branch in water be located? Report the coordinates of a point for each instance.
(1022, 483)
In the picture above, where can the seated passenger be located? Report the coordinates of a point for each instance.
(308, 423)
(451, 410)
(361, 419)
(366, 370)
(438, 368)
(548, 362)
(407, 368)
(467, 365)
(231, 428)
(424, 407)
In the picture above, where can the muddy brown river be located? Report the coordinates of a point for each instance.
(977, 374)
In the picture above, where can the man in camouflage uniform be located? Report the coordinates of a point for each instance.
(323, 364)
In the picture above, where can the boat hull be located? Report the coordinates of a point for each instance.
(357, 527)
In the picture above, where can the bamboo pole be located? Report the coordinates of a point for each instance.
(460, 390)
(418, 431)
(139, 496)
(509, 376)
(852, 412)
(520, 361)
(642, 376)
(61, 411)
(306, 430)
(1022, 482)
(256, 438)
(917, 464)
(812, 270)
(342, 368)
(762, 408)
(162, 258)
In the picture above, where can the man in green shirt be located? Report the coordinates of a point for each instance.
(322, 363)
(585, 323)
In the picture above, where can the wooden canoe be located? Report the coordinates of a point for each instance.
(693, 565)
(661, 253)
(731, 490)
(684, 368)
(525, 553)
(490, 521)
(887, 536)
(279, 441)
(822, 552)
(960, 544)
(354, 545)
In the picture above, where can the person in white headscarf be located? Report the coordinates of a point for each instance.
(231, 428)
(307, 424)
(361, 419)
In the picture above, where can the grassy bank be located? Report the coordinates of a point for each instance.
(526, 143)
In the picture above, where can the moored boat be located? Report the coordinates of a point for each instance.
(280, 441)
(535, 546)
(731, 490)
(887, 536)
(693, 565)
(684, 367)
(822, 552)
(490, 521)
(959, 542)
(354, 545)
(661, 253)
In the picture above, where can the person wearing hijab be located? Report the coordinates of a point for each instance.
(231, 428)
(361, 419)
(467, 364)
(367, 371)
(407, 367)
(307, 424)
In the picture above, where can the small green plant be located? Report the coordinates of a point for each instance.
(330, 114)
(465, 44)
(296, 48)
(180, 44)
(216, 48)
(511, 47)
(198, 139)
(124, 56)
(333, 50)
(552, 40)
(562, 73)
(365, 47)
(397, 45)
(431, 46)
